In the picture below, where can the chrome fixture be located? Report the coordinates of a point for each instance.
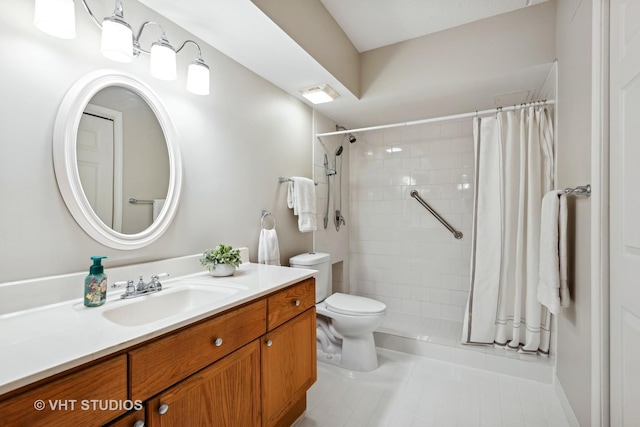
(133, 291)
(352, 138)
(457, 234)
(581, 190)
(338, 219)
(57, 18)
(328, 172)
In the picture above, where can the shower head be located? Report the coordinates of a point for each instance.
(352, 138)
(339, 151)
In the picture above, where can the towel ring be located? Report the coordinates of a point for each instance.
(265, 214)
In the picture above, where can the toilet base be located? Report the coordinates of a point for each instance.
(359, 354)
(331, 358)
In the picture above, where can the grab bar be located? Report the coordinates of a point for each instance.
(134, 201)
(457, 234)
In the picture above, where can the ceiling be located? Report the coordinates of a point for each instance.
(371, 24)
(242, 31)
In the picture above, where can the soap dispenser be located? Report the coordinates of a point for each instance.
(95, 284)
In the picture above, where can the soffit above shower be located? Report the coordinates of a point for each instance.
(375, 85)
(371, 24)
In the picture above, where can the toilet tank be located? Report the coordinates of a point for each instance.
(316, 261)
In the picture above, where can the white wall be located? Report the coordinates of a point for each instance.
(400, 254)
(574, 100)
(234, 145)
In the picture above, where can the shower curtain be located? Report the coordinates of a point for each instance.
(514, 169)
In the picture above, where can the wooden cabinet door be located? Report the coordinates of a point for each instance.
(288, 368)
(76, 399)
(227, 393)
(132, 419)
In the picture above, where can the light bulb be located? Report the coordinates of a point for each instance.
(198, 77)
(117, 40)
(56, 18)
(162, 64)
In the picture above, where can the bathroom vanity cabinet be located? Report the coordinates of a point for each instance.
(248, 366)
(288, 354)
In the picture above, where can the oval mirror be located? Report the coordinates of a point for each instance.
(116, 159)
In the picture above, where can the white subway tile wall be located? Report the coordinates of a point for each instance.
(399, 253)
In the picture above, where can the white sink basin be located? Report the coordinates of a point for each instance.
(170, 301)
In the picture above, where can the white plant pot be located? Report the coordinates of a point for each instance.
(221, 270)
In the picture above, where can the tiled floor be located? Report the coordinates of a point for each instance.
(414, 391)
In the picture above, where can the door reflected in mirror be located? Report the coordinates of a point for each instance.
(122, 155)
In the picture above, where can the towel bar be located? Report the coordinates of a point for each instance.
(283, 180)
(581, 190)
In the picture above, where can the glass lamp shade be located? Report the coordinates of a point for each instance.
(56, 18)
(117, 40)
(198, 78)
(162, 64)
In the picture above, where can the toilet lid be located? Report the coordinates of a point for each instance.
(353, 304)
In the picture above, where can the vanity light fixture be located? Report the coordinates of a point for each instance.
(319, 94)
(57, 18)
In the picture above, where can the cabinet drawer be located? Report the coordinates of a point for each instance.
(162, 363)
(70, 399)
(290, 302)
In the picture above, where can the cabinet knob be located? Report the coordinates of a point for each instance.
(163, 408)
(218, 342)
(269, 343)
(138, 423)
(297, 303)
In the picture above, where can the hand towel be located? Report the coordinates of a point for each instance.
(157, 207)
(552, 287)
(301, 197)
(268, 249)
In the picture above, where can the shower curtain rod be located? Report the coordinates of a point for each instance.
(440, 119)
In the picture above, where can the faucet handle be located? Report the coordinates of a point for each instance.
(118, 285)
(128, 283)
(155, 280)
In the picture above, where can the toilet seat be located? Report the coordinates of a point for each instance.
(353, 305)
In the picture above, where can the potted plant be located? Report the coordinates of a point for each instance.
(221, 261)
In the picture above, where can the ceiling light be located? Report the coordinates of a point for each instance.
(57, 17)
(319, 94)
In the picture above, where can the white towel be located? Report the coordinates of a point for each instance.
(301, 197)
(552, 287)
(268, 249)
(157, 207)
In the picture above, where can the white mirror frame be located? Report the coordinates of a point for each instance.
(65, 162)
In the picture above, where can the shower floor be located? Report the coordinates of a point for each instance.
(437, 331)
(440, 339)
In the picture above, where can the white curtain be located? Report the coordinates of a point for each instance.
(514, 169)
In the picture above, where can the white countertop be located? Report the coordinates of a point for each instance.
(43, 341)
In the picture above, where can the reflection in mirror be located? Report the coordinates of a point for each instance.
(122, 155)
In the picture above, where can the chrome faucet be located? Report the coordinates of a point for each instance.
(133, 291)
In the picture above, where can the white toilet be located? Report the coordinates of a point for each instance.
(345, 323)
